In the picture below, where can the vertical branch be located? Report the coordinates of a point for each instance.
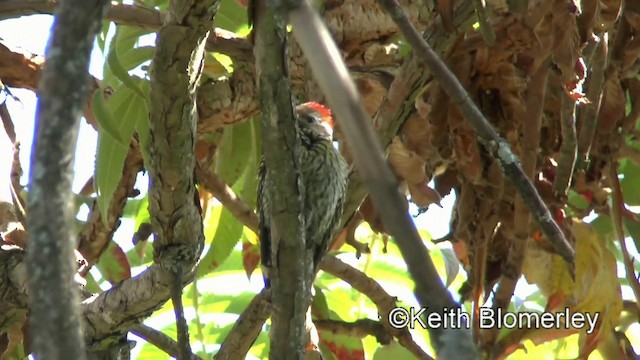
(55, 327)
(588, 113)
(332, 75)
(173, 202)
(569, 147)
(291, 279)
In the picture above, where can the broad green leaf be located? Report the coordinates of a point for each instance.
(342, 346)
(217, 65)
(319, 305)
(104, 117)
(223, 231)
(393, 351)
(227, 304)
(114, 265)
(116, 66)
(111, 153)
(233, 152)
(109, 161)
(102, 35)
(142, 123)
(603, 226)
(137, 56)
(633, 229)
(232, 16)
(629, 184)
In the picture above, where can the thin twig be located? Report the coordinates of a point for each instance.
(487, 135)
(588, 113)
(359, 328)
(159, 340)
(247, 328)
(332, 76)
(568, 149)
(236, 206)
(616, 215)
(383, 301)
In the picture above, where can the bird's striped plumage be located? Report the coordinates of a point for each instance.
(324, 173)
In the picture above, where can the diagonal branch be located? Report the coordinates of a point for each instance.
(159, 339)
(487, 136)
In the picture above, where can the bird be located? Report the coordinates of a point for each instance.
(324, 174)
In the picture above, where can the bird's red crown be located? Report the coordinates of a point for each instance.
(322, 110)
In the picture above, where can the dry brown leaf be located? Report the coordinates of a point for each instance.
(613, 102)
(405, 163)
(423, 196)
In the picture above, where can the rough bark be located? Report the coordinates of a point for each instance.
(291, 279)
(55, 323)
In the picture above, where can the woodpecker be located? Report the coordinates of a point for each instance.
(324, 173)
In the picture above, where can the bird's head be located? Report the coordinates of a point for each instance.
(315, 121)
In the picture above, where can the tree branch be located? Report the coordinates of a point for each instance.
(174, 206)
(236, 206)
(96, 235)
(487, 136)
(159, 340)
(332, 76)
(219, 40)
(247, 328)
(291, 271)
(55, 323)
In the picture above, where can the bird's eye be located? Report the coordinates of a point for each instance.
(310, 119)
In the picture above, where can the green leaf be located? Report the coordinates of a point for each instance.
(232, 16)
(116, 66)
(234, 150)
(629, 184)
(633, 229)
(392, 351)
(109, 161)
(224, 232)
(104, 117)
(114, 265)
(102, 35)
(342, 346)
(111, 152)
(137, 56)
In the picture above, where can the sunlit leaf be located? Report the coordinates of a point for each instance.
(231, 16)
(451, 264)
(222, 231)
(104, 117)
(114, 264)
(342, 346)
(233, 152)
(116, 66)
(250, 256)
(111, 153)
(393, 351)
(629, 184)
(137, 56)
